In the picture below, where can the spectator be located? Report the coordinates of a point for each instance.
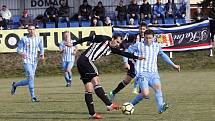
(212, 20)
(145, 11)
(121, 11)
(25, 20)
(107, 22)
(85, 12)
(64, 12)
(94, 22)
(158, 12)
(133, 11)
(199, 16)
(3, 23)
(171, 9)
(99, 11)
(182, 10)
(51, 14)
(6, 14)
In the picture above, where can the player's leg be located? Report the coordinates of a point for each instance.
(66, 76)
(143, 83)
(156, 85)
(31, 82)
(22, 82)
(130, 75)
(119, 87)
(84, 67)
(69, 71)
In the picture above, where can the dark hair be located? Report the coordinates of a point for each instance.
(149, 32)
(31, 24)
(115, 36)
(143, 24)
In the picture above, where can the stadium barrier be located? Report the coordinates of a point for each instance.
(51, 37)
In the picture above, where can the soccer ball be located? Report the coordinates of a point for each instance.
(127, 108)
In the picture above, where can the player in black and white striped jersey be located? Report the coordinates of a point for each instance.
(101, 46)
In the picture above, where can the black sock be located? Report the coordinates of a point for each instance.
(89, 102)
(101, 94)
(120, 86)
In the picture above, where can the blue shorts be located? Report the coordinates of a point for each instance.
(67, 64)
(147, 79)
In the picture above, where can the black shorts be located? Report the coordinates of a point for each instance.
(131, 71)
(86, 69)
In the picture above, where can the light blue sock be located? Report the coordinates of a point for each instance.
(21, 83)
(159, 99)
(31, 87)
(137, 99)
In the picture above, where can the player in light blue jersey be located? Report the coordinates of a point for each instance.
(128, 64)
(28, 49)
(68, 56)
(147, 75)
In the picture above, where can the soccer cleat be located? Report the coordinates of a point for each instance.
(111, 96)
(96, 116)
(164, 108)
(68, 85)
(13, 88)
(34, 99)
(113, 106)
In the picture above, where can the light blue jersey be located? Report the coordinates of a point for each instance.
(68, 51)
(29, 46)
(150, 52)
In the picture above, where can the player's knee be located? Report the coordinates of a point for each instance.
(145, 93)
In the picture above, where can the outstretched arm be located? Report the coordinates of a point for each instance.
(168, 60)
(125, 54)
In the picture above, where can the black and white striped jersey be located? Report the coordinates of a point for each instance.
(100, 47)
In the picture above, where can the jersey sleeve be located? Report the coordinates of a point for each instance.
(21, 44)
(165, 57)
(122, 53)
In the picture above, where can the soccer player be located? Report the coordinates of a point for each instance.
(148, 73)
(28, 49)
(68, 56)
(128, 64)
(101, 46)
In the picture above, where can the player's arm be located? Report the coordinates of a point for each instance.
(125, 54)
(61, 47)
(41, 47)
(20, 48)
(93, 39)
(166, 58)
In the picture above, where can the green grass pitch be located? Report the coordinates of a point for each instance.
(190, 95)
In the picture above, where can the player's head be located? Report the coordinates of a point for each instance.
(66, 35)
(149, 35)
(31, 30)
(142, 28)
(116, 41)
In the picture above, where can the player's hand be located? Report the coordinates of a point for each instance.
(42, 57)
(24, 56)
(141, 58)
(126, 66)
(177, 67)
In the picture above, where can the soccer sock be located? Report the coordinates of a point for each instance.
(101, 94)
(120, 86)
(31, 86)
(66, 76)
(21, 83)
(159, 98)
(89, 102)
(70, 77)
(137, 99)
